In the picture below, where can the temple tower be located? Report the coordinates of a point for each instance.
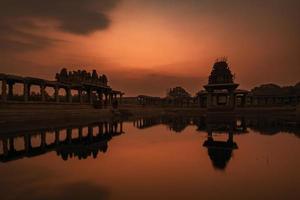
(221, 87)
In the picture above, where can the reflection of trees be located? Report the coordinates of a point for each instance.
(272, 126)
(175, 123)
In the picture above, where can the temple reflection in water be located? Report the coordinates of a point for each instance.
(89, 140)
(81, 142)
(220, 152)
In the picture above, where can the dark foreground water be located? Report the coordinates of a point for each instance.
(154, 158)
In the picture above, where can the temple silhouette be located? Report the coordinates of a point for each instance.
(90, 88)
(221, 93)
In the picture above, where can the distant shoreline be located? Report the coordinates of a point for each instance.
(26, 117)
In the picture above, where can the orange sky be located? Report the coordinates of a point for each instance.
(146, 47)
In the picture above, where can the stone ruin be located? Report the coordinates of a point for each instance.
(81, 76)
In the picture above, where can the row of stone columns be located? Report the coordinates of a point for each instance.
(212, 100)
(109, 97)
(272, 101)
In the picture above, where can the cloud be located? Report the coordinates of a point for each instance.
(72, 16)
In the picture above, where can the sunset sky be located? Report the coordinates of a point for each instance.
(147, 46)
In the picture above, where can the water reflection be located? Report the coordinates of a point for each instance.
(149, 160)
(89, 140)
(221, 151)
(267, 125)
(79, 141)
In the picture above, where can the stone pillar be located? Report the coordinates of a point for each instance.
(56, 94)
(100, 96)
(105, 100)
(111, 98)
(5, 147)
(232, 99)
(90, 96)
(105, 128)
(69, 95)
(121, 98)
(4, 95)
(209, 100)
(80, 96)
(121, 127)
(26, 91)
(27, 142)
(10, 90)
(243, 101)
(43, 93)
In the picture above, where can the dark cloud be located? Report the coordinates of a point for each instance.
(74, 16)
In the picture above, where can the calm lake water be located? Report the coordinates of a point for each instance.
(154, 158)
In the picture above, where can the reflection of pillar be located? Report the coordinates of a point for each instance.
(69, 135)
(10, 90)
(80, 133)
(230, 136)
(43, 139)
(115, 127)
(56, 94)
(11, 144)
(105, 128)
(121, 127)
(209, 134)
(3, 95)
(43, 92)
(26, 91)
(101, 129)
(110, 128)
(5, 147)
(90, 132)
(27, 142)
(56, 137)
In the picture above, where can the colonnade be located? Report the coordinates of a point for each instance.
(85, 93)
(270, 100)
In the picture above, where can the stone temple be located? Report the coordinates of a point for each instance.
(221, 91)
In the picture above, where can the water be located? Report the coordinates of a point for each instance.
(154, 158)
